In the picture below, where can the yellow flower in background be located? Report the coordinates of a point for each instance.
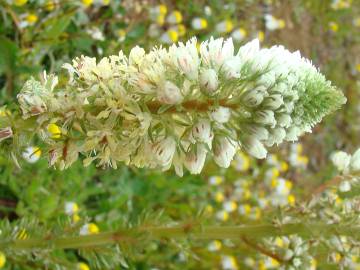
(162, 9)
(2, 260)
(358, 67)
(32, 154)
(90, 228)
(76, 218)
(199, 23)
(291, 199)
(215, 245)
(82, 266)
(174, 17)
(179, 28)
(279, 242)
(20, 3)
(334, 27)
(261, 36)
(230, 206)
(239, 34)
(106, 2)
(281, 23)
(284, 166)
(121, 33)
(222, 215)
(209, 209)
(224, 26)
(356, 22)
(87, 3)
(50, 5)
(71, 208)
(219, 197)
(169, 37)
(31, 18)
(229, 263)
(216, 180)
(245, 209)
(54, 131)
(160, 19)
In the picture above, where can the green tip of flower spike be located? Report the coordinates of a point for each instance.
(318, 99)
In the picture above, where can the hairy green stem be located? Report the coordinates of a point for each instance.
(200, 233)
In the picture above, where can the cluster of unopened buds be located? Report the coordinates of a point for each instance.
(177, 106)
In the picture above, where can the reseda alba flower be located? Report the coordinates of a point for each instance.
(176, 106)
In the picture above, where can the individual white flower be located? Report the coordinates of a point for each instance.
(255, 148)
(164, 151)
(169, 93)
(341, 160)
(239, 34)
(136, 55)
(224, 150)
(215, 52)
(202, 132)
(71, 208)
(209, 81)
(195, 160)
(355, 161)
(220, 114)
(32, 154)
(199, 23)
(185, 58)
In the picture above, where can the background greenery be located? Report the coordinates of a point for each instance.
(39, 35)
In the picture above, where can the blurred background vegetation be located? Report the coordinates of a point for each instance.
(37, 35)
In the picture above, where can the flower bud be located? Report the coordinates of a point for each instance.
(201, 131)
(254, 97)
(220, 114)
(255, 148)
(231, 68)
(265, 117)
(170, 94)
(209, 81)
(259, 132)
(284, 120)
(195, 160)
(164, 150)
(224, 151)
(273, 102)
(277, 135)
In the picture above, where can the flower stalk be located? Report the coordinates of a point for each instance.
(199, 233)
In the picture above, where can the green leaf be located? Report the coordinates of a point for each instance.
(8, 55)
(56, 26)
